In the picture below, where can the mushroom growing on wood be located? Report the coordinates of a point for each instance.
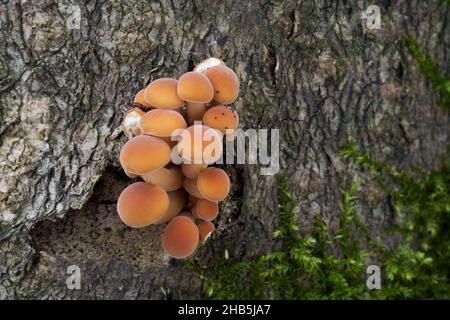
(200, 144)
(177, 201)
(191, 171)
(162, 93)
(221, 118)
(130, 123)
(161, 122)
(143, 154)
(180, 238)
(141, 204)
(206, 210)
(170, 179)
(207, 64)
(196, 89)
(225, 83)
(205, 229)
(140, 99)
(213, 184)
(190, 185)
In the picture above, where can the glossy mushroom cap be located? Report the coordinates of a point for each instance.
(177, 201)
(195, 87)
(191, 171)
(225, 83)
(205, 229)
(180, 238)
(130, 124)
(162, 93)
(170, 179)
(140, 98)
(207, 210)
(213, 184)
(141, 204)
(143, 154)
(207, 64)
(221, 118)
(162, 122)
(200, 144)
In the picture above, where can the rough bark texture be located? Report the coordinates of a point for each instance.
(309, 68)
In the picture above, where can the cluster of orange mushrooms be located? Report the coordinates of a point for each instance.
(185, 119)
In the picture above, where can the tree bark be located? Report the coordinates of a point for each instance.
(309, 68)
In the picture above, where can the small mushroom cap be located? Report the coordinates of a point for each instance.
(180, 238)
(200, 144)
(162, 122)
(170, 179)
(213, 184)
(207, 210)
(177, 201)
(162, 93)
(205, 229)
(143, 154)
(225, 83)
(190, 185)
(140, 99)
(221, 118)
(195, 87)
(208, 63)
(141, 204)
(130, 124)
(192, 170)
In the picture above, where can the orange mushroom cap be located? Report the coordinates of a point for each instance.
(140, 98)
(200, 144)
(162, 93)
(143, 154)
(180, 238)
(177, 201)
(225, 83)
(207, 210)
(221, 118)
(161, 122)
(205, 229)
(195, 87)
(141, 204)
(213, 184)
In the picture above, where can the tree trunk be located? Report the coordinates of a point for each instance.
(313, 69)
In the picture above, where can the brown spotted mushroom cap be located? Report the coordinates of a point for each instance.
(221, 118)
(225, 83)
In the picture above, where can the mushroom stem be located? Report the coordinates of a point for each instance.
(168, 179)
(190, 185)
(195, 112)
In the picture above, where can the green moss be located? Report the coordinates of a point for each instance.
(430, 70)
